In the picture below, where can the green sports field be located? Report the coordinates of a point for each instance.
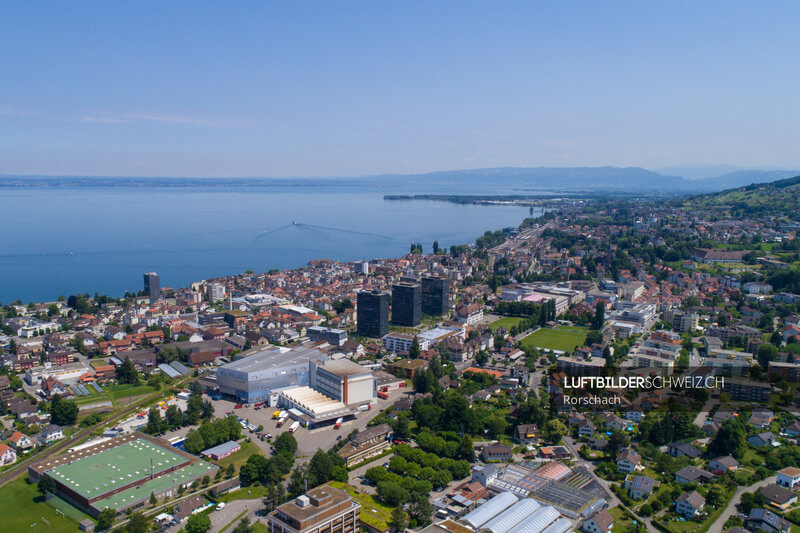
(506, 322)
(562, 338)
(21, 505)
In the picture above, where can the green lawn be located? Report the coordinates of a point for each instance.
(562, 338)
(122, 392)
(506, 322)
(245, 493)
(21, 505)
(373, 512)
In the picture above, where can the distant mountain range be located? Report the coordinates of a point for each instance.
(521, 180)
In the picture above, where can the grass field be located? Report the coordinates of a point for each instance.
(506, 322)
(373, 512)
(245, 493)
(21, 505)
(562, 338)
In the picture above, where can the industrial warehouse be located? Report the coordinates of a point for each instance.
(337, 390)
(505, 513)
(256, 377)
(121, 473)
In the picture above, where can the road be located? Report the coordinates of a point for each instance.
(729, 511)
(361, 470)
(702, 416)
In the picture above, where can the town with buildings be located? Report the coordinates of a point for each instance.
(434, 392)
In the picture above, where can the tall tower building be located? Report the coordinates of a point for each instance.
(152, 286)
(435, 296)
(406, 304)
(373, 314)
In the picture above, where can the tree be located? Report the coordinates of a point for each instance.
(155, 424)
(401, 427)
(553, 430)
(766, 353)
(421, 511)
(198, 523)
(285, 442)
(599, 316)
(730, 439)
(435, 247)
(320, 468)
(63, 412)
(413, 351)
(174, 417)
(138, 523)
(196, 388)
(243, 526)
(194, 442)
(391, 493)
(481, 358)
(153, 499)
(127, 373)
(47, 484)
(106, 519)
(399, 520)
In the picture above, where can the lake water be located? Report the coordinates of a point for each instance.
(101, 239)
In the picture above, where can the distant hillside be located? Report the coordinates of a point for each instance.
(780, 197)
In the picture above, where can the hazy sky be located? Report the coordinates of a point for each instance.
(352, 88)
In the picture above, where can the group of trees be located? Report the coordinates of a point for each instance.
(450, 411)
(212, 433)
(196, 410)
(453, 447)
(534, 314)
(669, 428)
(323, 467)
(63, 412)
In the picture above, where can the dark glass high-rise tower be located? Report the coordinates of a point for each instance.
(373, 314)
(406, 304)
(152, 286)
(435, 296)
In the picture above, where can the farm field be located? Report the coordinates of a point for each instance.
(563, 338)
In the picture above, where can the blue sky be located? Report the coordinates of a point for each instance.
(354, 88)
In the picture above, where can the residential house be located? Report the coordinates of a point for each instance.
(723, 464)
(602, 522)
(20, 441)
(778, 496)
(7, 455)
(496, 451)
(789, 477)
(762, 439)
(184, 509)
(640, 487)
(689, 503)
(554, 452)
(690, 474)
(527, 434)
(50, 433)
(628, 461)
(676, 449)
(764, 520)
